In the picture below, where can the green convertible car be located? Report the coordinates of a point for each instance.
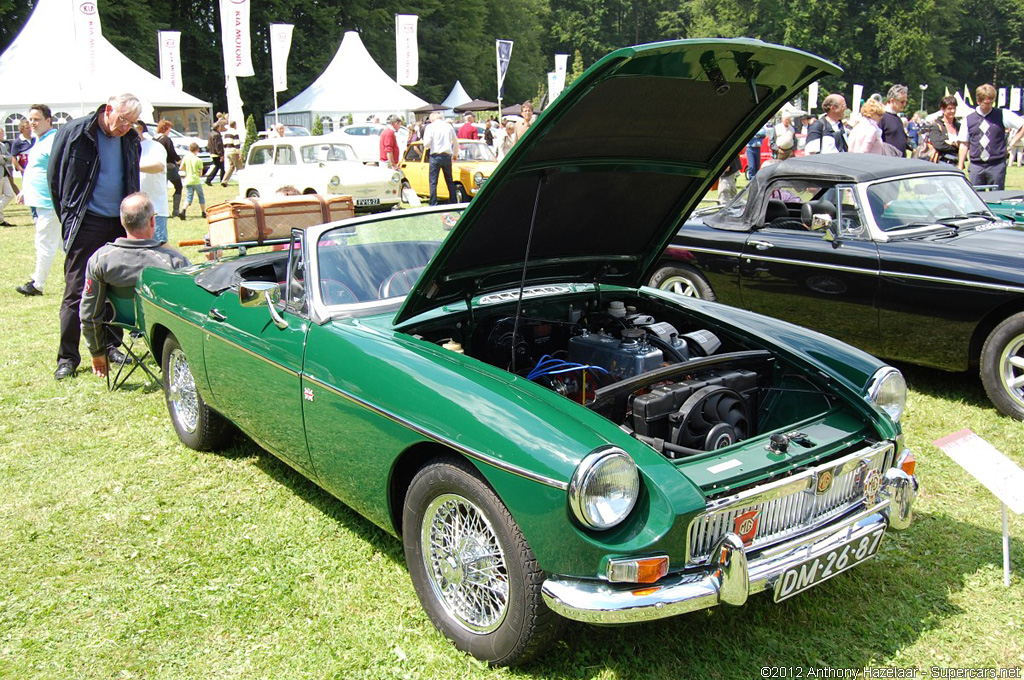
(550, 438)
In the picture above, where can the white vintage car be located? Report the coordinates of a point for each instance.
(318, 165)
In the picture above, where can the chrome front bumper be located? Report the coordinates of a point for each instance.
(731, 577)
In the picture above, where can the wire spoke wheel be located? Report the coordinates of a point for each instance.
(182, 394)
(465, 563)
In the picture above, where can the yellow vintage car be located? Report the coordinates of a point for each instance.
(470, 170)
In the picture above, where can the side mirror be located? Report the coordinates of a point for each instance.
(260, 293)
(824, 223)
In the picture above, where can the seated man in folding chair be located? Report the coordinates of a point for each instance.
(118, 265)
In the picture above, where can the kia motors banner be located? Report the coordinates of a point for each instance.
(235, 104)
(87, 33)
(280, 46)
(1015, 99)
(169, 49)
(812, 96)
(504, 51)
(234, 31)
(407, 48)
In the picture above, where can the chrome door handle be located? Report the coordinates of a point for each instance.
(762, 245)
(216, 315)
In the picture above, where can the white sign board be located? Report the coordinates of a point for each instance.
(988, 465)
(999, 474)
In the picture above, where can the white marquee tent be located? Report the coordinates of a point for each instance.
(39, 67)
(352, 84)
(457, 97)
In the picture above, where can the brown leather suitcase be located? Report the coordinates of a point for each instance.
(255, 220)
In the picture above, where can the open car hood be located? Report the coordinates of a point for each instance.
(596, 188)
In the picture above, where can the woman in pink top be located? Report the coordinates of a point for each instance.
(866, 136)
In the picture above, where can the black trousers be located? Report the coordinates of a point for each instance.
(94, 233)
(216, 164)
(175, 178)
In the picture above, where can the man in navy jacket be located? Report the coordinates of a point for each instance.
(94, 164)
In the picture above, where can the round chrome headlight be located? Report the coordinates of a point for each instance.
(478, 179)
(396, 177)
(888, 391)
(335, 182)
(604, 488)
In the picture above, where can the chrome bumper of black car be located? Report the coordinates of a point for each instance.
(732, 576)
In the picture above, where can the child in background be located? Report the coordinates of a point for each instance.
(193, 168)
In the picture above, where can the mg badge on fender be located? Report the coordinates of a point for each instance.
(307, 393)
(746, 525)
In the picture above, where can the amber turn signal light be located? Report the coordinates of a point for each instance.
(637, 570)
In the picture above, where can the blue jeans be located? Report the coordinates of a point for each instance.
(441, 162)
(160, 234)
(753, 160)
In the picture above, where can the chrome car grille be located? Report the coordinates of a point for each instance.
(787, 507)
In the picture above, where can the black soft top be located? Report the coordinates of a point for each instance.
(848, 167)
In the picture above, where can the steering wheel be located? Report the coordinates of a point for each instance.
(336, 293)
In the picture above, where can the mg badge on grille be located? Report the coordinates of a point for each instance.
(872, 484)
(746, 525)
(825, 479)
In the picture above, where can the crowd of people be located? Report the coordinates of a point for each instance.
(441, 141)
(983, 141)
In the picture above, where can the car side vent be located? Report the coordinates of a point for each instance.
(533, 291)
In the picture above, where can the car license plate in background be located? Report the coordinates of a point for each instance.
(367, 201)
(817, 569)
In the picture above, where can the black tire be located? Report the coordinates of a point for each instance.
(252, 193)
(684, 280)
(502, 629)
(198, 426)
(460, 194)
(1002, 366)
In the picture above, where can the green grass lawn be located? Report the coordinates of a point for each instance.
(126, 555)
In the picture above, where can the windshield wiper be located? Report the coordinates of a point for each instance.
(966, 216)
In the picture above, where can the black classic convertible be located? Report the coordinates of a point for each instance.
(899, 257)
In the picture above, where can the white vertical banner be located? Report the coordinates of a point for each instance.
(407, 49)
(503, 48)
(1001, 102)
(561, 61)
(235, 104)
(858, 96)
(280, 47)
(234, 33)
(1015, 99)
(812, 97)
(552, 87)
(87, 33)
(169, 43)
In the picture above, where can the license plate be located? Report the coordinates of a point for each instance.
(823, 567)
(367, 201)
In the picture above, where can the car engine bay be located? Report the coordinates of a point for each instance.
(680, 387)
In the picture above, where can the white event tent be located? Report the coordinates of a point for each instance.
(352, 84)
(457, 97)
(40, 67)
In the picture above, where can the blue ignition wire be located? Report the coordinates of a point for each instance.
(551, 366)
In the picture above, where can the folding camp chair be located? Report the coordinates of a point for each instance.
(122, 299)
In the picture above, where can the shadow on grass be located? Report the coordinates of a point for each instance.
(857, 619)
(964, 387)
(314, 495)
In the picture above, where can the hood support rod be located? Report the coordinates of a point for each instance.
(541, 181)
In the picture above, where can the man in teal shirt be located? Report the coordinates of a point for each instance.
(35, 193)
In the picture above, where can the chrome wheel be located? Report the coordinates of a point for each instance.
(679, 285)
(182, 395)
(465, 564)
(1011, 368)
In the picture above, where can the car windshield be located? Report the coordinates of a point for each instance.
(326, 153)
(367, 262)
(475, 152)
(923, 201)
